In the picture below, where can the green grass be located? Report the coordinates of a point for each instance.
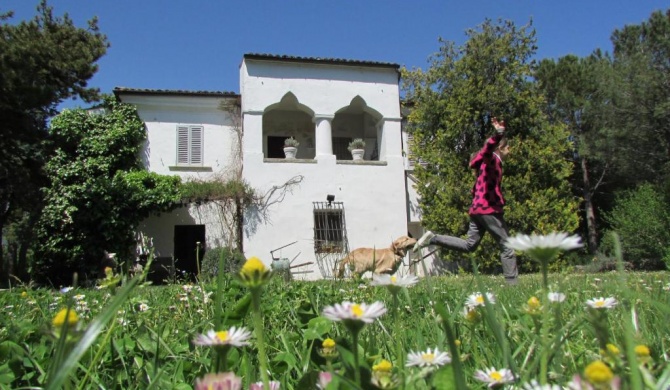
(139, 349)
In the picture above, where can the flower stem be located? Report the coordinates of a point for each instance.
(258, 325)
(357, 369)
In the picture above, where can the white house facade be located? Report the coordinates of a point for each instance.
(314, 208)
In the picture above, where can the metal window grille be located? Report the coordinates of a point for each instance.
(330, 235)
(340, 145)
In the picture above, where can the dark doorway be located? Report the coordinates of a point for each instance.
(186, 239)
(275, 147)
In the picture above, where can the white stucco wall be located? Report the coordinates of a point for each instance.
(373, 193)
(162, 115)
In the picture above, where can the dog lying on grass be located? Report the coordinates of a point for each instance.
(379, 261)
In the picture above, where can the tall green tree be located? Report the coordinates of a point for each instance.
(574, 97)
(98, 192)
(452, 103)
(43, 61)
(640, 107)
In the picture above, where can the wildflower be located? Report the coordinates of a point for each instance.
(236, 337)
(382, 377)
(534, 385)
(274, 385)
(79, 297)
(612, 349)
(477, 299)
(471, 315)
(533, 306)
(64, 316)
(349, 312)
(325, 378)
(65, 290)
(24, 294)
(494, 377)
(143, 307)
(602, 303)
(543, 248)
(254, 273)
(556, 297)
(220, 381)
(598, 373)
(642, 351)
(327, 349)
(394, 283)
(428, 358)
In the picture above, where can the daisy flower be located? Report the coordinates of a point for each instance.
(477, 299)
(274, 385)
(348, 311)
(494, 377)
(236, 337)
(143, 307)
(602, 303)
(556, 297)
(534, 385)
(428, 358)
(394, 283)
(220, 381)
(544, 248)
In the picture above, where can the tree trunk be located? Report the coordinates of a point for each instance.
(592, 239)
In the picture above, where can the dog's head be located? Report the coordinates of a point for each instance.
(401, 244)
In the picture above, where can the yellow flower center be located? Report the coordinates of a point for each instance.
(479, 299)
(253, 264)
(65, 316)
(599, 303)
(428, 357)
(383, 366)
(533, 303)
(357, 310)
(642, 351)
(222, 336)
(328, 343)
(598, 373)
(394, 280)
(496, 376)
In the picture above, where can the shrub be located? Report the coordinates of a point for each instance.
(641, 219)
(291, 142)
(233, 260)
(357, 143)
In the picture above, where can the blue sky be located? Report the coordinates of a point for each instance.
(199, 44)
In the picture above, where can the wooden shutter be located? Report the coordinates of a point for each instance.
(182, 145)
(196, 145)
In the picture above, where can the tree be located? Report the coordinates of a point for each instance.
(640, 100)
(98, 193)
(42, 62)
(453, 101)
(574, 98)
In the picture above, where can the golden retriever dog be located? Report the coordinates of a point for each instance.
(379, 261)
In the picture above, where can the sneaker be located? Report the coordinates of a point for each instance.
(423, 241)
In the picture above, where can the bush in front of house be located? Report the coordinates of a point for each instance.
(233, 260)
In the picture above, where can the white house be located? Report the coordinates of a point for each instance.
(317, 206)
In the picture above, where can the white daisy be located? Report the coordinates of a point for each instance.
(602, 303)
(534, 385)
(142, 307)
(544, 248)
(477, 299)
(65, 290)
(494, 377)
(428, 358)
(394, 283)
(79, 297)
(274, 385)
(237, 337)
(556, 297)
(353, 311)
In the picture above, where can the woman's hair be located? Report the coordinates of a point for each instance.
(502, 143)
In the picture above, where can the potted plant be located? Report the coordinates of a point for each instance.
(357, 149)
(290, 147)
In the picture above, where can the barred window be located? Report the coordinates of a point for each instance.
(329, 227)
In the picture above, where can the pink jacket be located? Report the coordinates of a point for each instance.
(487, 195)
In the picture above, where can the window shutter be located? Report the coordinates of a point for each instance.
(182, 145)
(196, 144)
